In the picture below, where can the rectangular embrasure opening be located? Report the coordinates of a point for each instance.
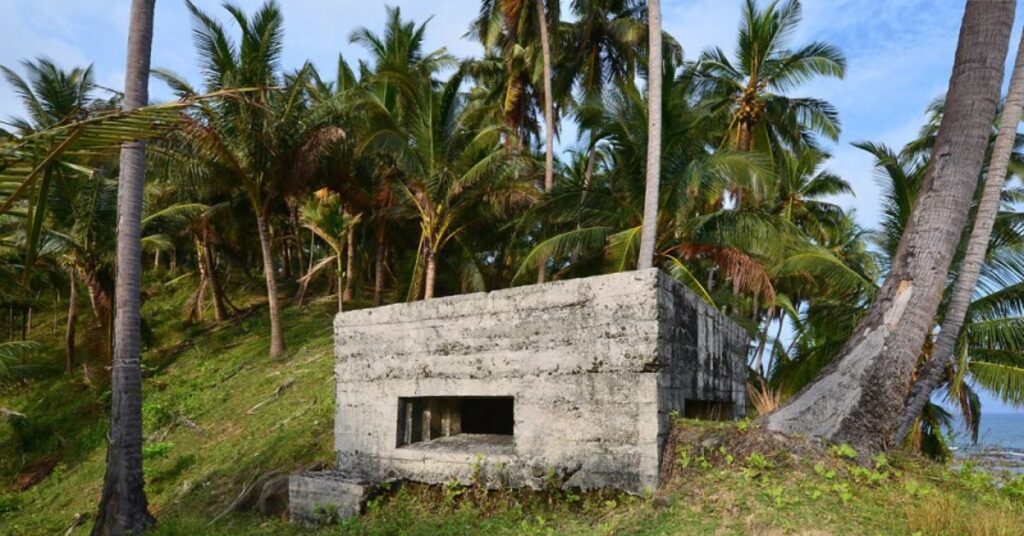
(707, 410)
(466, 419)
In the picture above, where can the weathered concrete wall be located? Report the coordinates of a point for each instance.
(595, 367)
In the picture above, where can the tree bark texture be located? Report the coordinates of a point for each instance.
(378, 278)
(123, 508)
(858, 398)
(549, 120)
(69, 332)
(431, 276)
(277, 345)
(977, 247)
(350, 264)
(648, 234)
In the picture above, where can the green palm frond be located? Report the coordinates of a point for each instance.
(684, 275)
(1005, 382)
(584, 239)
(823, 271)
(1002, 333)
(12, 352)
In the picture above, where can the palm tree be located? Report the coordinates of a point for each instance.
(605, 215)
(509, 29)
(748, 89)
(987, 347)
(654, 69)
(453, 167)
(600, 48)
(549, 121)
(977, 247)
(801, 187)
(509, 33)
(325, 216)
(396, 55)
(601, 44)
(262, 140)
(52, 96)
(884, 349)
(123, 507)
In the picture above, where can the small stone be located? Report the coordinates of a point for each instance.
(710, 443)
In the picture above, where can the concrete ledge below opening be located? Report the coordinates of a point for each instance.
(482, 444)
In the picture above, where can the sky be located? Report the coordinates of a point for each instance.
(899, 54)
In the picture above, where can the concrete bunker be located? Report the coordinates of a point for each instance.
(577, 380)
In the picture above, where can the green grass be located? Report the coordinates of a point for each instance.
(218, 412)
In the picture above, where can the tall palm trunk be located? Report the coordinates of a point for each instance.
(277, 346)
(208, 278)
(378, 277)
(123, 508)
(977, 247)
(860, 396)
(297, 241)
(195, 314)
(431, 275)
(341, 287)
(350, 264)
(648, 234)
(220, 309)
(549, 121)
(69, 333)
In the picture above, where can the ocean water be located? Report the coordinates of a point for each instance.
(1000, 445)
(1003, 430)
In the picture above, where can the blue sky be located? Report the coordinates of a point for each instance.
(900, 53)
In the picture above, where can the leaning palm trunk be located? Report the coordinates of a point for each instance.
(123, 507)
(220, 309)
(977, 246)
(196, 304)
(102, 305)
(277, 346)
(860, 396)
(208, 279)
(549, 121)
(648, 235)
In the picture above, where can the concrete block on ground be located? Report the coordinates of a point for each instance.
(321, 496)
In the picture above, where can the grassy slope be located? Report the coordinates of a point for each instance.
(209, 435)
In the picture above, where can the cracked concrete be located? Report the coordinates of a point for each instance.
(595, 367)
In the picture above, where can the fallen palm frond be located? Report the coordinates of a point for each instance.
(763, 397)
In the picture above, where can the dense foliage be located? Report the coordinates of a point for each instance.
(413, 175)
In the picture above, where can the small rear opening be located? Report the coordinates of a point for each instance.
(428, 418)
(707, 410)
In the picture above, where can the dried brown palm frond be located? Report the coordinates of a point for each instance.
(763, 398)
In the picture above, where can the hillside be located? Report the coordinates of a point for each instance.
(218, 413)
